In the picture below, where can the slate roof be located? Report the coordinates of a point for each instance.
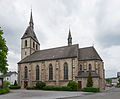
(82, 74)
(10, 73)
(30, 33)
(53, 53)
(88, 53)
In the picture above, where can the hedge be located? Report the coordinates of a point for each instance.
(90, 89)
(4, 90)
(40, 85)
(30, 88)
(14, 87)
(57, 88)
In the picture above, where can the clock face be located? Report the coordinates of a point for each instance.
(25, 50)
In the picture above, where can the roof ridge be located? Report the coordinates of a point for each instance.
(56, 47)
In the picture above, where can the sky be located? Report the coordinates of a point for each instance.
(92, 23)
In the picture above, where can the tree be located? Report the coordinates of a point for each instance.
(3, 54)
(89, 80)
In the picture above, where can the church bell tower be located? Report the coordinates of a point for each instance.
(29, 41)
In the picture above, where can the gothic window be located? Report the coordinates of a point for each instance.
(80, 67)
(90, 67)
(37, 72)
(26, 72)
(50, 72)
(65, 71)
(33, 44)
(36, 47)
(25, 43)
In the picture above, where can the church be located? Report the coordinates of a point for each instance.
(57, 66)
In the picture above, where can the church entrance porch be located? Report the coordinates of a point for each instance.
(79, 85)
(25, 84)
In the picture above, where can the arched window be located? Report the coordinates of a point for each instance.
(25, 43)
(90, 67)
(65, 71)
(37, 72)
(50, 72)
(33, 44)
(26, 72)
(80, 67)
(36, 47)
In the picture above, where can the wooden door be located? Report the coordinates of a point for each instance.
(79, 85)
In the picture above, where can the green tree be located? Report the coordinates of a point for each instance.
(89, 80)
(3, 54)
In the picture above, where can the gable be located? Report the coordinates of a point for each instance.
(88, 53)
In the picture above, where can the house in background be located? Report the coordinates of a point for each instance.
(11, 77)
(114, 81)
(118, 74)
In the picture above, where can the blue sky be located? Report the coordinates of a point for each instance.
(92, 22)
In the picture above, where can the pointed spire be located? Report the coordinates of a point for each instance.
(69, 38)
(31, 20)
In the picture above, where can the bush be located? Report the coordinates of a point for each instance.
(118, 85)
(30, 88)
(91, 89)
(6, 84)
(40, 85)
(66, 88)
(57, 88)
(48, 88)
(14, 87)
(4, 90)
(73, 85)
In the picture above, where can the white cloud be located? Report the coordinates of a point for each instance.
(91, 22)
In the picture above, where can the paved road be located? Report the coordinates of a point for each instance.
(111, 94)
(38, 94)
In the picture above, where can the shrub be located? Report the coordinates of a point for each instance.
(118, 85)
(4, 90)
(48, 87)
(14, 87)
(6, 84)
(90, 89)
(30, 88)
(66, 88)
(73, 85)
(40, 85)
(15, 83)
(57, 88)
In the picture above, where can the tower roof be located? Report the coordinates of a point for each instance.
(69, 36)
(31, 20)
(30, 30)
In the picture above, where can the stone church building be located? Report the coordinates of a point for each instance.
(57, 66)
